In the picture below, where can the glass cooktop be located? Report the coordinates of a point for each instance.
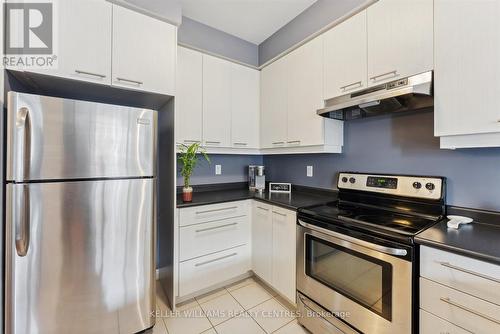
(369, 217)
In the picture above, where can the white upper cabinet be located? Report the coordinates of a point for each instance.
(245, 107)
(144, 52)
(400, 39)
(345, 57)
(274, 104)
(291, 94)
(216, 102)
(467, 68)
(84, 40)
(189, 101)
(305, 95)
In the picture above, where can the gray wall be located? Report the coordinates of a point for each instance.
(234, 169)
(403, 144)
(201, 36)
(313, 19)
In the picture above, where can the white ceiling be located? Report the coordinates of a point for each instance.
(251, 20)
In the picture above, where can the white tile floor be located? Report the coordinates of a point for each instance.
(245, 307)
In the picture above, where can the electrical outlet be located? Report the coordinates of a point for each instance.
(218, 169)
(309, 171)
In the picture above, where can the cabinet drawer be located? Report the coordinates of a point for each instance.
(430, 324)
(207, 213)
(466, 311)
(203, 272)
(478, 278)
(202, 239)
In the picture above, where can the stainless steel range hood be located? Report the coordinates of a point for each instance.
(404, 94)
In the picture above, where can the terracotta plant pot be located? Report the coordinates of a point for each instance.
(187, 194)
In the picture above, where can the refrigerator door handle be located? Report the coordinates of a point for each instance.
(22, 227)
(23, 121)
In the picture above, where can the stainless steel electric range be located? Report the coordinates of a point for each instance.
(357, 263)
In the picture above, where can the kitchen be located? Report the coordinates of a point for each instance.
(311, 166)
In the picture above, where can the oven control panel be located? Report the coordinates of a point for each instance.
(406, 186)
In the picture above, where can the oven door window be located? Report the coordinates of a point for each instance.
(357, 276)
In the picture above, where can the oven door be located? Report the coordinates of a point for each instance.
(368, 285)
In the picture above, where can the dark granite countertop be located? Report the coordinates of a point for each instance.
(300, 196)
(479, 240)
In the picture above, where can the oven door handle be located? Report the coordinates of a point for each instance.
(370, 245)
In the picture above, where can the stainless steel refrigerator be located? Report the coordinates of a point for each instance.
(80, 217)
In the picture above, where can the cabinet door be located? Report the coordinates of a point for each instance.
(245, 107)
(274, 104)
(284, 243)
(467, 60)
(188, 111)
(345, 57)
(262, 240)
(84, 41)
(305, 95)
(400, 39)
(216, 102)
(144, 52)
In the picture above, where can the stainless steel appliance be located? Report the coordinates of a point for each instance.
(356, 259)
(80, 217)
(402, 94)
(252, 173)
(260, 179)
(256, 178)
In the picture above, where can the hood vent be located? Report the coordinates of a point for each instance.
(406, 94)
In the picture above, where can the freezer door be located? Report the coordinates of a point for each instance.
(80, 257)
(53, 138)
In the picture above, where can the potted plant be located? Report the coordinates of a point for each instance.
(189, 158)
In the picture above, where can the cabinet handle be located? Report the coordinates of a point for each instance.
(351, 86)
(214, 228)
(130, 81)
(278, 143)
(465, 308)
(265, 209)
(102, 76)
(391, 74)
(216, 210)
(296, 142)
(279, 213)
(215, 260)
(188, 141)
(208, 142)
(240, 144)
(470, 272)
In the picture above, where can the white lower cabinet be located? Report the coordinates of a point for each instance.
(284, 245)
(214, 246)
(206, 271)
(220, 242)
(262, 240)
(458, 294)
(198, 240)
(430, 324)
(273, 247)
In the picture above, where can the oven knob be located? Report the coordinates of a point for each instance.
(352, 180)
(417, 185)
(344, 179)
(430, 186)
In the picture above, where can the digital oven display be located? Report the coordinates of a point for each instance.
(382, 182)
